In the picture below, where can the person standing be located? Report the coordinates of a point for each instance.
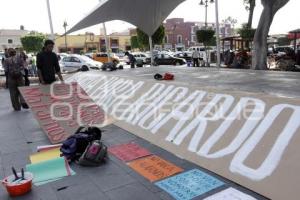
(196, 57)
(47, 64)
(15, 72)
(4, 67)
(131, 58)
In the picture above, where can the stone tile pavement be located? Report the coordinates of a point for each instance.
(20, 134)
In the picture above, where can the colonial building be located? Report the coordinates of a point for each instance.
(11, 38)
(94, 43)
(181, 35)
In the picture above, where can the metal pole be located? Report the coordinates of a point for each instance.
(218, 35)
(151, 50)
(106, 42)
(66, 40)
(206, 6)
(52, 37)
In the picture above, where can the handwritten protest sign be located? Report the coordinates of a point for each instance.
(128, 152)
(189, 185)
(61, 108)
(230, 194)
(154, 168)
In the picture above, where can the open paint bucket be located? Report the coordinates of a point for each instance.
(18, 187)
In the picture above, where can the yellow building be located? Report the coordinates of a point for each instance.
(89, 42)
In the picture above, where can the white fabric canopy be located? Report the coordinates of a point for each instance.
(147, 15)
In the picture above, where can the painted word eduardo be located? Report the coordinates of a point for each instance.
(184, 113)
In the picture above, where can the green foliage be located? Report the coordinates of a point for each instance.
(246, 33)
(33, 42)
(284, 41)
(157, 37)
(135, 42)
(206, 37)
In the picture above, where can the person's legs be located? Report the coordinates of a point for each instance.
(194, 62)
(6, 80)
(21, 99)
(197, 62)
(14, 94)
(132, 65)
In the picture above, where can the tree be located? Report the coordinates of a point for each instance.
(157, 37)
(135, 42)
(33, 42)
(250, 6)
(259, 58)
(206, 37)
(247, 34)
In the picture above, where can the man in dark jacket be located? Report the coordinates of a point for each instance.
(131, 58)
(47, 64)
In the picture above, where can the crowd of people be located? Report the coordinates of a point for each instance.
(18, 68)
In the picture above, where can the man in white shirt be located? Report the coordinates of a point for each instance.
(196, 57)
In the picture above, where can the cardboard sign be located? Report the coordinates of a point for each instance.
(128, 152)
(251, 139)
(154, 168)
(230, 194)
(189, 185)
(61, 108)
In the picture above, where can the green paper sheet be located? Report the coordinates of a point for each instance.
(49, 171)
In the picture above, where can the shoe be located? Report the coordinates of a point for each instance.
(25, 106)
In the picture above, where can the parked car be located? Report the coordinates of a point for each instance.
(2, 73)
(103, 57)
(200, 49)
(166, 59)
(79, 62)
(140, 57)
(184, 55)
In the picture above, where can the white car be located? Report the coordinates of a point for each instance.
(79, 62)
(2, 72)
(140, 56)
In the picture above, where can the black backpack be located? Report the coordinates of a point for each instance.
(73, 147)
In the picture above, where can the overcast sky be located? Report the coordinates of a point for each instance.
(33, 14)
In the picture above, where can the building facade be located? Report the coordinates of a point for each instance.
(180, 34)
(90, 42)
(11, 38)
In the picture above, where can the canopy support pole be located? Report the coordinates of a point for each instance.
(106, 42)
(52, 37)
(218, 35)
(151, 50)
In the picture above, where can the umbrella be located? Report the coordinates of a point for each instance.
(147, 15)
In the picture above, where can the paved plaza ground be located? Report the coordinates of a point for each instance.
(20, 134)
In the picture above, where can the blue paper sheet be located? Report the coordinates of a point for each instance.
(189, 185)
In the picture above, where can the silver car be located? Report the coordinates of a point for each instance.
(79, 62)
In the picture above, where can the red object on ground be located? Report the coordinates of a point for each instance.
(168, 77)
(128, 152)
(15, 189)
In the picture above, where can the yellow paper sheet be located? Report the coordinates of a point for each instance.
(45, 155)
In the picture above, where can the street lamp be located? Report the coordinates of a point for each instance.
(205, 3)
(65, 27)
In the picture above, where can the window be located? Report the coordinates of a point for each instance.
(179, 39)
(166, 39)
(74, 59)
(66, 59)
(10, 41)
(194, 39)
